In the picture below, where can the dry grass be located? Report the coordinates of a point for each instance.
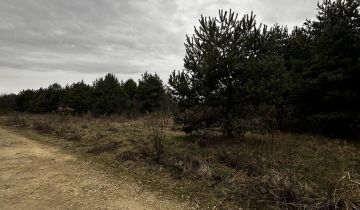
(108, 147)
(280, 171)
(157, 124)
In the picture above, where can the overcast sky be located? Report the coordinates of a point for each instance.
(47, 41)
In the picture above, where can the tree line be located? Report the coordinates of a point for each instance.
(240, 75)
(104, 97)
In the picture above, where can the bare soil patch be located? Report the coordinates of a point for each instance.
(38, 176)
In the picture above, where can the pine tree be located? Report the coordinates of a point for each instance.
(48, 99)
(150, 92)
(78, 97)
(220, 69)
(7, 103)
(331, 97)
(130, 88)
(108, 96)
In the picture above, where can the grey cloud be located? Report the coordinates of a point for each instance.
(126, 37)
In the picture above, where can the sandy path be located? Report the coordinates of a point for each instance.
(37, 176)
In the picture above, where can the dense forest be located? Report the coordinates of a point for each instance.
(106, 96)
(239, 76)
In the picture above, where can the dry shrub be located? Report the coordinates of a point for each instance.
(74, 137)
(112, 129)
(346, 193)
(246, 163)
(43, 127)
(101, 148)
(187, 167)
(180, 166)
(131, 155)
(205, 137)
(16, 121)
(205, 170)
(282, 188)
(269, 150)
(84, 125)
(157, 125)
(68, 132)
(286, 190)
(267, 146)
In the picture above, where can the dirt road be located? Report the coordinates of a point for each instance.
(38, 176)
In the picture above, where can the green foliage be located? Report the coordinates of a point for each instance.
(109, 97)
(181, 90)
(150, 92)
(78, 97)
(106, 96)
(130, 88)
(307, 78)
(41, 100)
(330, 99)
(25, 101)
(231, 66)
(7, 102)
(49, 98)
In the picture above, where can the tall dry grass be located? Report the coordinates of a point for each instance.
(277, 170)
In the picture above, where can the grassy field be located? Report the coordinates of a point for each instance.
(279, 171)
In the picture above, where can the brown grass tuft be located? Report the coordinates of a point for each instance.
(101, 148)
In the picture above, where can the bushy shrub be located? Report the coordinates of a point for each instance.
(157, 125)
(199, 118)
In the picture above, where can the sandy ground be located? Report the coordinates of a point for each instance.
(38, 176)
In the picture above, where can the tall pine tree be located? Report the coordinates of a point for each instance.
(331, 98)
